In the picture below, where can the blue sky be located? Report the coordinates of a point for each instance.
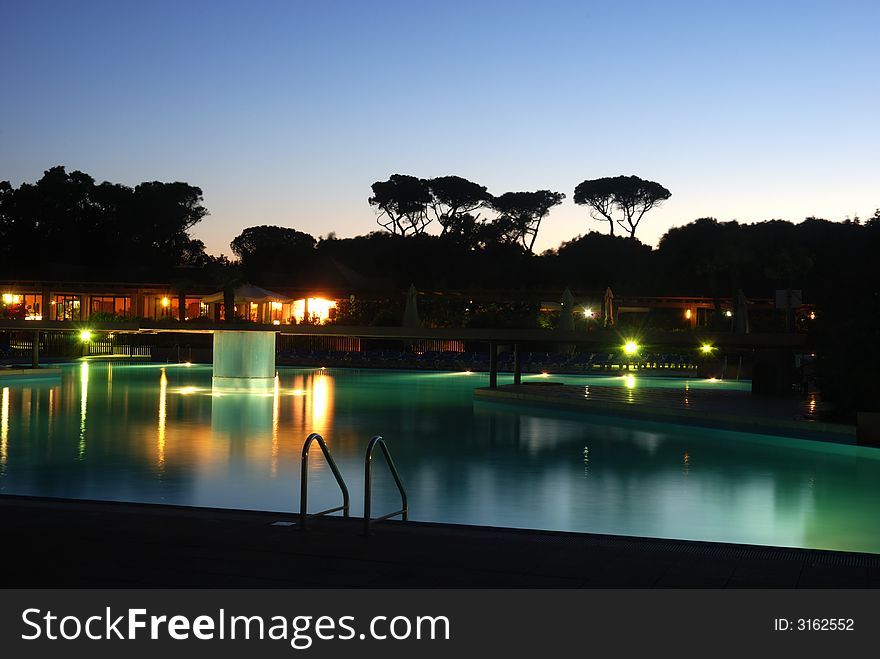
(285, 112)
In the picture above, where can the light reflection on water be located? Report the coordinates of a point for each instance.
(164, 434)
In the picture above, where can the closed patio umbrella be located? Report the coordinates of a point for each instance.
(411, 311)
(609, 307)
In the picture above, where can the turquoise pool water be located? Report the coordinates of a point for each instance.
(151, 433)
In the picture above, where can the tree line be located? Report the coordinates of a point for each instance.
(407, 206)
(66, 226)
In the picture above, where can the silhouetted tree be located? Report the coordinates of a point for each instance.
(630, 196)
(90, 230)
(454, 200)
(403, 203)
(520, 214)
(272, 249)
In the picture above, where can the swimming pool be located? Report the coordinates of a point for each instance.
(151, 433)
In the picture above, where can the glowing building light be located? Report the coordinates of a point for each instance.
(85, 336)
(276, 306)
(165, 301)
(588, 313)
(707, 348)
(313, 309)
(812, 315)
(687, 314)
(728, 313)
(7, 298)
(631, 347)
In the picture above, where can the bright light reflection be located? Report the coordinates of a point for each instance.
(83, 405)
(163, 397)
(276, 416)
(629, 381)
(4, 426)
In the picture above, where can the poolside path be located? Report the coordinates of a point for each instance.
(719, 408)
(65, 543)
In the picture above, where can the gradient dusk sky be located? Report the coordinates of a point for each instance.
(285, 112)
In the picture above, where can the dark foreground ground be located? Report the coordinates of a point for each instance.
(63, 543)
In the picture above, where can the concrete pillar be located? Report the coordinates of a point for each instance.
(244, 360)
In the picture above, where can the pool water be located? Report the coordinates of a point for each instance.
(151, 433)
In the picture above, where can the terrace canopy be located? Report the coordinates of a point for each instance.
(255, 304)
(247, 293)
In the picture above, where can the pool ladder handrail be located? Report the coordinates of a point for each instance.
(368, 484)
(304, 481)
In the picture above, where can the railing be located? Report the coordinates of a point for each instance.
(304, 481)
(368, 484)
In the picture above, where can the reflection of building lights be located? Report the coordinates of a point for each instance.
(320, 392)
(4, 426)
(83, 406)
(160, 440)
(276, 322)
(276, 415)
(187, 390)
(631, 347)
(545, 374)
(630, 381)
(468, 373)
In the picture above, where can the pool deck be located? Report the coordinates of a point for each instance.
(25, 373)
(715, 408)
(67, 543)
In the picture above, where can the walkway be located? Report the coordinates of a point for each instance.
(730, 410)
(64, 543)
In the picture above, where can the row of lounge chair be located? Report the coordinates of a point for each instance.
(530, 362)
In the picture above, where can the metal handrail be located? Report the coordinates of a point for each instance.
(304, 482)
(368, 484)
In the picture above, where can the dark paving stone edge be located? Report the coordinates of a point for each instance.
(110, 544)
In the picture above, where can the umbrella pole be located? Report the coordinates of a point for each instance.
(493, 365)
(517, 365)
